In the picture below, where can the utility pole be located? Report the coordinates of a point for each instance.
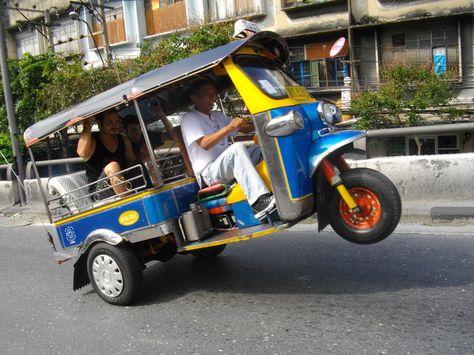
(353, 70)
(49, 31)
(18, 160)
(105, 32)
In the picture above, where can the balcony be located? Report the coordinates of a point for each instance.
(165, 18)
(115, 27)
(231, 9)
(294, 5)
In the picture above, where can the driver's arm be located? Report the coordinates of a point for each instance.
(210, 140)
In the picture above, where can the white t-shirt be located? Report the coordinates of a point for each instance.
(195, 125)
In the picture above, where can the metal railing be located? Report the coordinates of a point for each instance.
(89, 196)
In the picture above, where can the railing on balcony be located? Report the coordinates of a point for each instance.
(323, 73)
(228, 9)
(299, 3)
(66, 38)
(423, 57)
(165, 16)
(115, 27)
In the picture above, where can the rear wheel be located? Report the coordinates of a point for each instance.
(208, 252)
(380, 206)
(115, 273)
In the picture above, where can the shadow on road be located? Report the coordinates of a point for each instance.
(321, 264)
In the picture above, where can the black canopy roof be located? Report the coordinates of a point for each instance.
(159, 78)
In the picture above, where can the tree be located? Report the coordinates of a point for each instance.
(28, 77)
(46, 84)
(406, 91)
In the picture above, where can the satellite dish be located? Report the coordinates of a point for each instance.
(337, 47)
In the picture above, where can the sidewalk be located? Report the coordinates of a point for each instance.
(434, 212)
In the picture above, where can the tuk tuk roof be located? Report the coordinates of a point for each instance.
(158, 78)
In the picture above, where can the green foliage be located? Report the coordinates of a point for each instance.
(406, 91)
(45, 84)
(73, 84)
(5, 147)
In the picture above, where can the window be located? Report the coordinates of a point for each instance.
(324, 73)
(66, 38)
(398, 40)
(270, 78)
(395, 146)
(421, 146)
(164, 16)
(227, 9)
(313, 67)
(27, 42)
(298, 3)
(115, 27)
(448, 144)
(429, 145)
(438, 46)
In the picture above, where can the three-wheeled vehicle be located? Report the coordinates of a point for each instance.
(112, 239)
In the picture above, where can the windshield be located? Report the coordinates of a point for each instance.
(267, 75)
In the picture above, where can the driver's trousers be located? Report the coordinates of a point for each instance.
(237, 162)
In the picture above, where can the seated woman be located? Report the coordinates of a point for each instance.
(106, 154)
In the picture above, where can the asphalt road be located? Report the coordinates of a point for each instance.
(296, 292)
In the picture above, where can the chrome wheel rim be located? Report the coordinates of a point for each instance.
(107, 275)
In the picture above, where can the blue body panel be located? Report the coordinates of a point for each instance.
(244, 216)
(294, 150)
(302, 151)
(152, 209)
(331, 142)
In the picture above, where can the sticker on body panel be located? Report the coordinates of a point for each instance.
(129, 218)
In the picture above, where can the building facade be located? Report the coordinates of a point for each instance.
(370, 34)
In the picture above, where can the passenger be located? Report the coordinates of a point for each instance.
(214, 160)
(106, 154)
(134, 132)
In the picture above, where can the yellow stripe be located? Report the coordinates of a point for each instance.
(125, 200)
(236, 239)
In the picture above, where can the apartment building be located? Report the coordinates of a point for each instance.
(372, 34)
(129, 23)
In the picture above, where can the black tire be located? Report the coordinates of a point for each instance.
(115, 273)
(382, 215)
(208, 252)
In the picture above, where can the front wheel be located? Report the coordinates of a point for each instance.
(380, 205)
(115, 273)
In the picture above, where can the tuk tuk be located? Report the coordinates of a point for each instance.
(164, 212)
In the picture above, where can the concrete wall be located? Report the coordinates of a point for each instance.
(432, 177)
(389, 10)
(438, 178)
(330, 16)
(41, 5)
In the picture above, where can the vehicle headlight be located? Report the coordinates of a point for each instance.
(285, 125)
(329, 112)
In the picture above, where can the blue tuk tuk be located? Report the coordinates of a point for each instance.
(164, 212)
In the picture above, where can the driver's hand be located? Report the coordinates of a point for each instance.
(238, 123)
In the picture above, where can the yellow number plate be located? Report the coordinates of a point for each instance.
(298, 93)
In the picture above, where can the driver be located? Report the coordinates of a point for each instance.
(206, 134)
